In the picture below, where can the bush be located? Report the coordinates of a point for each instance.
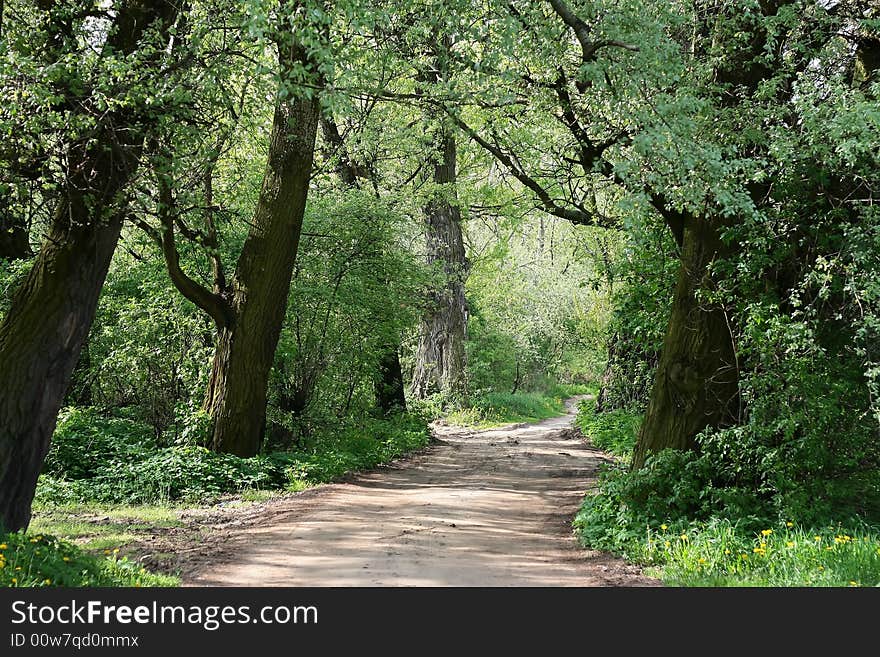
(85, 440)
(197, 474)
(39, 560)
(615, 431)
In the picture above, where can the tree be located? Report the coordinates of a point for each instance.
(441, 354)
(249, 309)
(51, 313)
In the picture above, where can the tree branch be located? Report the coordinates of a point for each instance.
(213, 304)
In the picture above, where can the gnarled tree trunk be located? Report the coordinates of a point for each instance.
(441, 357)
(696, 383)
(236, 397)
(50, 316)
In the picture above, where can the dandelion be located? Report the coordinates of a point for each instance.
(759, 550)
(727, 551)
(789, 524)
(821, 567)
(766, 532)
(106, 551)
(3, 546)
(66, 558)
(817, 538)
(701, 561)
(668, 544)
(47, 581)
(744, 556)
(684, 537)
(115, 550)
(664, 527)
(789, 544)
(14, 580)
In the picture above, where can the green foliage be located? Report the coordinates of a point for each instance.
(538, 304)
(362, 446)
(614, 431)
(693, 515)
(29, 560)
(86, 440)
(355, 292)
(140, 474)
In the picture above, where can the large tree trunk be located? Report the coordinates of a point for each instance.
(441, 358)
(236, 398)
(696, 383)
(51, 314)
(40, 341)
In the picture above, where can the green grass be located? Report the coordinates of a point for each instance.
(495, 409)
(96, 527)
(34, 559)
(716, 554)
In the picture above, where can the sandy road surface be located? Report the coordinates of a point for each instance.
(488, 508)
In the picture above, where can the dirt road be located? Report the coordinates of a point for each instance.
(488, 508)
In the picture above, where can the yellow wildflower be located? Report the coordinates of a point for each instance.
(669, 544)
(766, 532)
(14, 580)
(684, 537)
(853, 583)
(701, 560)
(664, 527)
(3, 546)
(789, 544)
(47, 581)
(789, 524)
(817, 538)
(66, 558)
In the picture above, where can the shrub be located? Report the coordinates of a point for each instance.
(85, 440)
(615, 431)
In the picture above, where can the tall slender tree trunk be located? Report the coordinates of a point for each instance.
(236, 396)
(50, 316)
(441, 357)
(696, 382)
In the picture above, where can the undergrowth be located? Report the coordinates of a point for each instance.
(37, 560)
(691, 523)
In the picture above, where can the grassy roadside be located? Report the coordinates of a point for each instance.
(495, 409)
(732, 548)
(85, 521)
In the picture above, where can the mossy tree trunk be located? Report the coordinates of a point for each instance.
(441, 357)
(257, 295)
(51, 313)
(696, 381)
